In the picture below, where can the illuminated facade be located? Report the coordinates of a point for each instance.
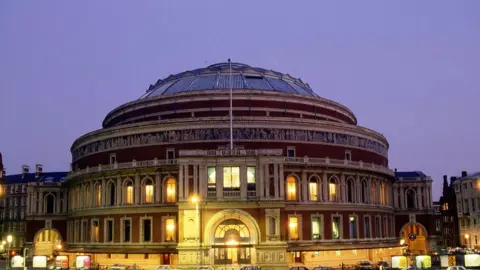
(468, 208)
(418, 218)
(303, 184)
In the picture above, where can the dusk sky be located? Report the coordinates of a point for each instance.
(408, 69)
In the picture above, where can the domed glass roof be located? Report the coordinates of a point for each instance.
(217, 76)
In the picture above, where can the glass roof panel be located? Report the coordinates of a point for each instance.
(224, 82)
(159, 91)
(299, 89)
(258, 83)
(280, 85)
(203, 83)
(180, 86)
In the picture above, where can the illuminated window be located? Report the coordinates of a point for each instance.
(251, 179)
(332, 189)
(313, 190)
(129, 193)
(291, 188)
(212, 178)
(86, 197)
(445, 206)
(231, 177)
(171, 190)
(382, 194)
(98, 191)
(317, 228)
(352, 225)
(336, 227)
(169, 229)
(95, 231)
(293, 228)
(148, 191)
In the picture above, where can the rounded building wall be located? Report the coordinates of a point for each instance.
(302, 176)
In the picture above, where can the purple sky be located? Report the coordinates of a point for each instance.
(408, 69)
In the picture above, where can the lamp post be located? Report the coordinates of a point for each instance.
(195, 200)
(9, 242)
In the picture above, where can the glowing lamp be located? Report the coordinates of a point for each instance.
(402, 242)
(9, 239)
(194, 199)
(467, 236)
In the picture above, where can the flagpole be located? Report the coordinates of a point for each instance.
(231, 106)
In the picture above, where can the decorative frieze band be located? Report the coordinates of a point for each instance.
(223, 134)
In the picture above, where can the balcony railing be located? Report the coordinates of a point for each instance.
(338, 163)
(288, 160)
(230, 153)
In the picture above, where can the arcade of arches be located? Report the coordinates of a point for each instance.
(46, 242)
(415, 237)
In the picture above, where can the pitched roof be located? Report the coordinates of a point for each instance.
(410, 175)
(31, 177)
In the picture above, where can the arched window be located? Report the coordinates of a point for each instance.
(291, 188)
(50, 204)
(171, 190)
(112, 194)
(98, 194)
(148, 190)
(313, 189)
(332, 189)
(350, 189)
(374, 192)
(411, 202)
(364, 191)
(128, 192)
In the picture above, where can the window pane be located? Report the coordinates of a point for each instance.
(171, 190)
(170, 229)
(316, 228)
(129, 194)
(332, 190)
(336, 228)
(291, 188)
(147, 225)
(367, 227)
(251, 175)
(126, 230)
(231, 177)
(353, 226)
(312, 189)
(149, 193)
(293, 227)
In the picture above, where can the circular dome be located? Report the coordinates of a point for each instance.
(217, 77)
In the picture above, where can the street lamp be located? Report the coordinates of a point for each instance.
(196, 200)
(9, 241)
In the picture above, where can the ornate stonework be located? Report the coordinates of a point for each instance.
(221, 134)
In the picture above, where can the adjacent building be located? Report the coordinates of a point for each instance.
(417, 217)
(13, 210)
(468, 208)
(448, 209)
(172, 179)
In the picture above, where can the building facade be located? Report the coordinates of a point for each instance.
(468, 208)
(418, 219)
(172, 179)
(449, 213)
(13, 211)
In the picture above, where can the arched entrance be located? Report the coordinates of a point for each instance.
(46, 241)
(415, 236)
(232, 236)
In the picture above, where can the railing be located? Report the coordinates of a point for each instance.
(124, 165)
(288, 160)
(337, 162)
(231, 193)
(230, 153)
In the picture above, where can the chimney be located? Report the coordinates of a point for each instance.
(464, 174)
(452, 179)
(395, 170)
(25, 170)
(38, 170)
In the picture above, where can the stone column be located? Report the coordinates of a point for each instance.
(303, 187)
(342, 188)
(276, 181)
(267, 180)
(137, 189)
(57, 202)
(119, 194)
(195, 180)
(180, 183)
(325, 187)
(260, 180)
(219, 180)
(243, 182)
(186, 181)
(158, 185)
(281, 181)
(202, 180)
(402, 197)
(419, 198)
(40, 203)
(103, 192)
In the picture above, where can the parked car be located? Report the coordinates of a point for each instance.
(364, 265)
(456, 268)
(323, 268)
(299, 268)
(250, 267)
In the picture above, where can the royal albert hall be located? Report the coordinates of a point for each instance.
(164, 182)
